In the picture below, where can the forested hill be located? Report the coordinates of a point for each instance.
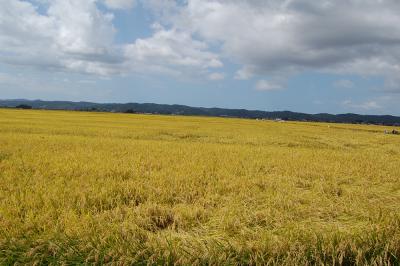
(153, 108)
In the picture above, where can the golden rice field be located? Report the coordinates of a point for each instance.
(118, 189)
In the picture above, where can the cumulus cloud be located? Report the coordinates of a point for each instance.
(171, 50)
(5, 78)
(264, 85)
(245, 73)
(367, 105)
(120, 4)
(265, 38)
(344, 83)
(75, 35)
(216, 76)
(274, 36)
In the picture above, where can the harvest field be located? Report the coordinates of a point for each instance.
(97, 188)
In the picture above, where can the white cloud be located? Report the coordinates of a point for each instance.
(164, 10)
(171, 50)
(344, 83)
(367, 105)
(74, 35)
(5, 78)
(216, 76)
(264, 85)
(120, 4)
(244, 73)
(277, 37)
(265, 38)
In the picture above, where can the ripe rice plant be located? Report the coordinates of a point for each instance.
(97, 188)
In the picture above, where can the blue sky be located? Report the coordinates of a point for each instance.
(299, 55)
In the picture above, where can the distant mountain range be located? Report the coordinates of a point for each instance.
(153, 108)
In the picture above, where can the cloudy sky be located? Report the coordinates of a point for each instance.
(302, 55)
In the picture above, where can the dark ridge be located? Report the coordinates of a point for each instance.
(152, 108)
